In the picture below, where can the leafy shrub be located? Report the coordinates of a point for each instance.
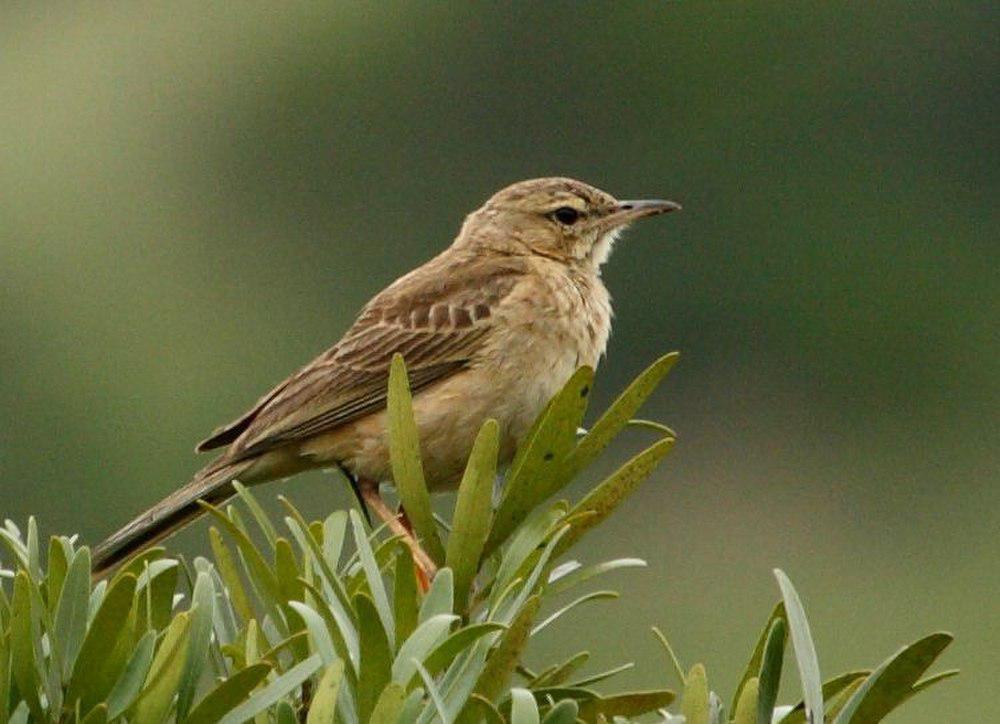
(326, 621)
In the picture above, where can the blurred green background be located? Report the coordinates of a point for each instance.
(196, 198)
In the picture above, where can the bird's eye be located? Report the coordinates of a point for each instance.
(566, 215)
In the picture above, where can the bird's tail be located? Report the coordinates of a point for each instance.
(212, 484)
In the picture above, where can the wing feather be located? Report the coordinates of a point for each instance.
(437, 317)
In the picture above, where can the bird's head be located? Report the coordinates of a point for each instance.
(559, 218)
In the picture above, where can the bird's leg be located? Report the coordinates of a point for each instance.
(426, 569)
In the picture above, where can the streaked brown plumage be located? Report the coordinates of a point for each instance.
(491, 327)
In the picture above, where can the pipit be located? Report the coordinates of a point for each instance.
(490, 328)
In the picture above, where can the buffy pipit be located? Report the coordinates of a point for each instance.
(491, 327)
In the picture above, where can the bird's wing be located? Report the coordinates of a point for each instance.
(437, 317)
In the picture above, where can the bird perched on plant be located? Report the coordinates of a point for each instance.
(492, 327)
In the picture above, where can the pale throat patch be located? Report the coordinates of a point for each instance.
(600, 252)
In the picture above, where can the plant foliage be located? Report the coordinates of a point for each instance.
(326, 621)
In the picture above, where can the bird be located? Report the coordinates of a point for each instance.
(491, 327)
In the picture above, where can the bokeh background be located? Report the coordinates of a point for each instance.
(196, 198)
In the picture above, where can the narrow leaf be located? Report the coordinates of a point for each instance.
(324, 702)
(416, 648)
(752, 669)
(24, 665)
(632, 704)
(805, 651)
(769, 678)
(373, 575)
(165, 673)
(404, 453)
(892, 682)
(389, 706)
(228, 694)
(71, 613)
(95, 670)
(502, 661)
(523, 709)
(404, 594)
(540, 467)
(471, 522)
(746, 711)
(694, 704)
(376, 657)
(602, 501)
(128, 685)
(621, 411)
(277, 689)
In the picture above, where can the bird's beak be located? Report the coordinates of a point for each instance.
(625, 212)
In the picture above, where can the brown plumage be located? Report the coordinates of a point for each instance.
(491, 327)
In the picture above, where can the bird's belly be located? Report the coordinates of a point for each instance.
(448, 416)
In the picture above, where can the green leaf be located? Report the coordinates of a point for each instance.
(471, 522)
(540, 467)
(284, 713)
(165, 673)
(286, 570)
(324, 703)
(416, 648)
(562, 713)
(892, 682)
(556, 675)
(260, 572)
(226, 567)
(23, 633)
(263, 522)
(621, 411)
(592, 596)
(404, 454)
(155, 593)
(389, 706)
(318, 631)
(97, 715)
(5, 682)
(523, 709)
(265, 698)
(228, 694)
(769, 678)
(71, 612)
(694, 704)
(752, 669)
(479, 709)
(129, 683)
(440, 598)
(675, 662)
(434, 693)
(503, 660)
(58, 566)
(580, 575)
(373, 575)
(404, 601)
(831, 688)
(339, 624)
(805, 651)
(376, 656)
(631, 704)
(601, 676)
(199, 638)
(925, 684)
(746, 711)
(137, 563)
(449, 649)
(602, 501)
(523, 545)
(100, 660)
